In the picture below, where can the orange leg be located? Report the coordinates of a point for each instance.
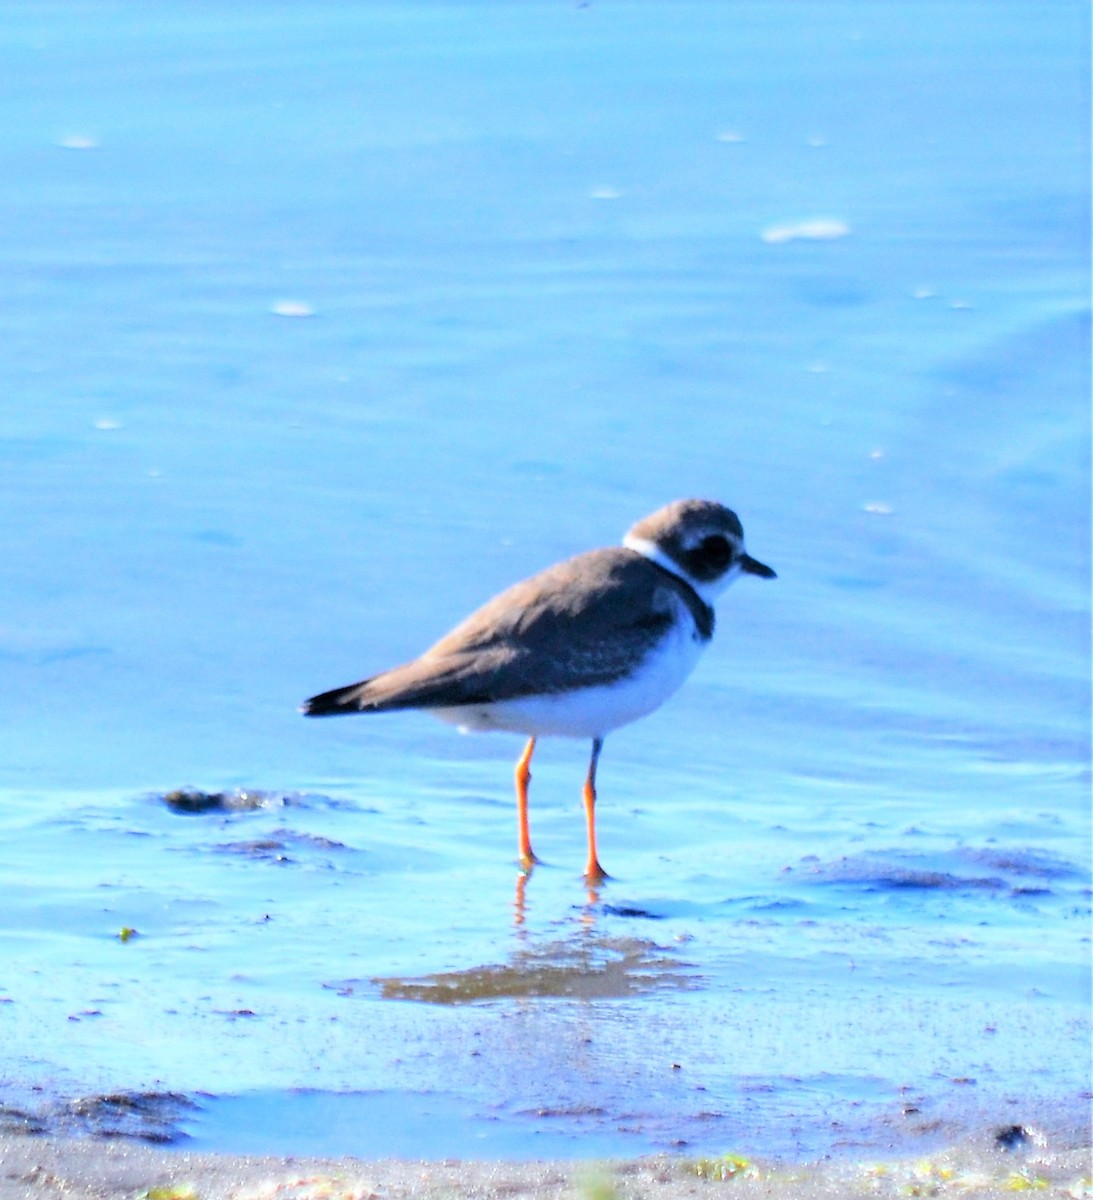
(523, 778)
(593, 872)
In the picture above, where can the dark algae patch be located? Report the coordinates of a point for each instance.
(193, 800)
(145, 1116)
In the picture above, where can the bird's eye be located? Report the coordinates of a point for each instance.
(716, 550)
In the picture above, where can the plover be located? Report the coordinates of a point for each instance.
(578, 650)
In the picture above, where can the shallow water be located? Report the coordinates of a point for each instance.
(355, 317)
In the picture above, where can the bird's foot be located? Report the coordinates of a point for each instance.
(594, 874)
(528, 861)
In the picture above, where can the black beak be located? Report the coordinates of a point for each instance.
(754, 567)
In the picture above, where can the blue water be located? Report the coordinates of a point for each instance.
(322, 324)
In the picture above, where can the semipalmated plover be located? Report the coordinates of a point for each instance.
(577, 650)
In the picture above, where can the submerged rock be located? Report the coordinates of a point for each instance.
(192, 800)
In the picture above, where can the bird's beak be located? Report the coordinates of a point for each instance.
(753, 566)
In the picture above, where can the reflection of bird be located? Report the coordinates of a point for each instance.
(577, 650)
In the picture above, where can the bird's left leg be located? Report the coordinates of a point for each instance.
(593, 872)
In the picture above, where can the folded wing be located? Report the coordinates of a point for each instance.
(543, 635)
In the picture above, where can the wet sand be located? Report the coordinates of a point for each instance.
(34, 1166)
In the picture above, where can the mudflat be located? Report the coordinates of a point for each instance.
(75, 1168)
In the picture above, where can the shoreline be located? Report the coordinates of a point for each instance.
(43, 1167)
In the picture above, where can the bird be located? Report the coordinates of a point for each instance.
(577, 650)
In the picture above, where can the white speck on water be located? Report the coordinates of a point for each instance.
(77, 141)
(819, 229)
(292, 308)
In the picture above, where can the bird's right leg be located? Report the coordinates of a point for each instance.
(523, 778)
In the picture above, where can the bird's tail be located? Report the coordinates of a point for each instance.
(338, 702)
(423, 683)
